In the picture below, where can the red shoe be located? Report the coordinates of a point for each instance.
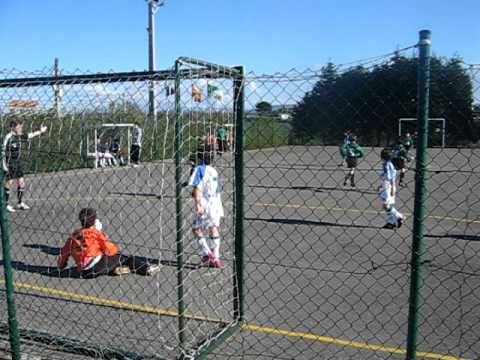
(207, 259)
(217, 264)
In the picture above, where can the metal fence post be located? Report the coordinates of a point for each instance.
(239, 103)
(423, 88)
(178, 204)
(7, 267)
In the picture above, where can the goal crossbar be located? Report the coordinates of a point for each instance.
(98, 127)
(442, 120)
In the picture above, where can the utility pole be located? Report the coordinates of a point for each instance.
(57, 91)
(153, 6)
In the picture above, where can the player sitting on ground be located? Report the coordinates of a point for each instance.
(104, 158)
(208, 207)
(117, 153)
(96, 255)
(351, 152)
(399, 159)
(12, 166)
(387, 194)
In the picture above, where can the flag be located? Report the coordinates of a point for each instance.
(211, 90)
(169, 90)
(215, 92)
(218, 95)
(196, 93)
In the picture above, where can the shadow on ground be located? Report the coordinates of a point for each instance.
(72, 272)
(310, 222)
(319, 189)
(455, 236)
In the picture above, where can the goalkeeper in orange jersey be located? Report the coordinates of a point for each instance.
(94, 254)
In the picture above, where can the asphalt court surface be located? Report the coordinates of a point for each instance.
(323, 280)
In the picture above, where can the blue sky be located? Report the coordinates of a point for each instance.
(264, 35)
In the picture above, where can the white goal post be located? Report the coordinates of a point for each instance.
(435, 132)
(97, 136)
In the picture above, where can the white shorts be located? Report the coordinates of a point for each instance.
(207, 220)
(386, 197)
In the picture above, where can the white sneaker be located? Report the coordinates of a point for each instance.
(121, 270)
(23, 206)
(153, 269)
(10, 209)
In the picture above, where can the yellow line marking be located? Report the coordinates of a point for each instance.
(114, 303)
(351, 343)
(359, 211)
(250, 327)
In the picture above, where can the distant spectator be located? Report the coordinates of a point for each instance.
(222, 143)
(136, 146)
(116, 151)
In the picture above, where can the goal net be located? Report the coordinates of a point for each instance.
(108, 145)
(436, 130)
(189, 305)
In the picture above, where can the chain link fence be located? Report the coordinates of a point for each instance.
(84, 160)
(323, 277)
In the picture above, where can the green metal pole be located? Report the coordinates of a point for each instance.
(239, 104)
(7, 267)
(423, 90)
(178, 204)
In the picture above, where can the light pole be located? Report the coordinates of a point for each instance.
(153, 5)
(58, 93)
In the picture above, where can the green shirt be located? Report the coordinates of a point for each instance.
(408, 143)
(222, 134)
(352, 150)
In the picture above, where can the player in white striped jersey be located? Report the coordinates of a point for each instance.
(395, 219)
(208, 208)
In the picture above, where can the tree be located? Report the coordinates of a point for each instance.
(313, 117)
(453, 99)
(370, 101)
(263, 107)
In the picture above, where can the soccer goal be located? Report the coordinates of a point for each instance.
(209, 97)
(436, 130)
(108, 144)
(194, 300)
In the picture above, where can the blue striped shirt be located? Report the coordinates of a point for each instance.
(389, 173)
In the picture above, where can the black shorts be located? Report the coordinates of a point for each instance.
(398, 163)
(352, 163)
(15, 170)
(222, 145)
